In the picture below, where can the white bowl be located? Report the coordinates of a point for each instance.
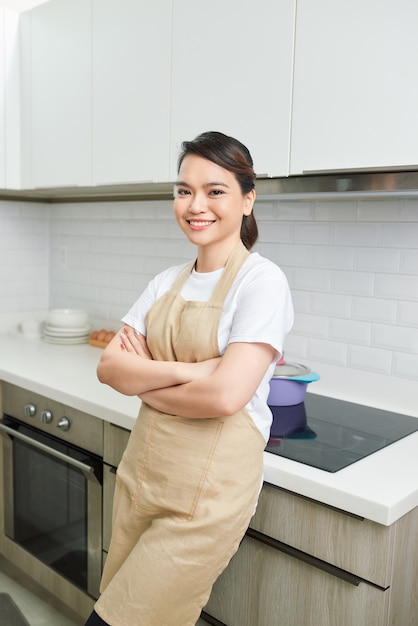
(67, 318)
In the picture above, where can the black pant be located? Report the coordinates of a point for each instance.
(95, 620)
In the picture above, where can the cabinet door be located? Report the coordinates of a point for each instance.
(9, 100)
(355, 90)
(131, 83)
(356, 545)
(115, 440)
(262, 586)
(231, 71)
(2, 101)
(60, 93)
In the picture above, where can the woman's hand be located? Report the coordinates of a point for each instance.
(132, 341)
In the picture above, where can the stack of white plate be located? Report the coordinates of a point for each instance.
(66, 326)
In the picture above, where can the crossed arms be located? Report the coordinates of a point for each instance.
(219, 386)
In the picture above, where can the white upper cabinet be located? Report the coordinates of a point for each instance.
(355, 96)
(232, 72)
(2, 102)
(130, 90)
(105, 91)
(60, 68)
(10, 136)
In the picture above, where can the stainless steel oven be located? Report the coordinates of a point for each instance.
(52, 482)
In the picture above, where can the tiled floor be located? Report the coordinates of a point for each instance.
(38, 608)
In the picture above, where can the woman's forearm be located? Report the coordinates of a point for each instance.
(187, 400)
(223, 392)
(132, 374)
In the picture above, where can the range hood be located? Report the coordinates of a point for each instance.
(347, 184)
(316, 185)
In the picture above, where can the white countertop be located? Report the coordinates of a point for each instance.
(382, 487)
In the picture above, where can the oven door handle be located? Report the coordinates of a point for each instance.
(88, 470)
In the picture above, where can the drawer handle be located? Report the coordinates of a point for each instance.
(306, 558)
(209, 619)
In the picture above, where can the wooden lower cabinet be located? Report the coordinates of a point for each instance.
(265, 587)
(305, 564)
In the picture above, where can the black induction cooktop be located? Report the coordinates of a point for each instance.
(331, 434)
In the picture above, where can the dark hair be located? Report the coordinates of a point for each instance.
(233, 156)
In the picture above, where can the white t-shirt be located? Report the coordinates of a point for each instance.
(257, 309)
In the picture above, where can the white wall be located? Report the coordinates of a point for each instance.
(352, 267)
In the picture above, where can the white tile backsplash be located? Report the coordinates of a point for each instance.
(410, 210)
(390, 210)
(312, 325)
(356, 234)
(334, 211)
(352, 266)
(276, 232)
(369, 359)
(311, 278)
(377, 259)
(408, 314)
(331, 352)
(397, 286)
(409, 262)
(395, 338)
(294, 211)
(333, 256)
(374, 310)
(350, 331)
(314, 233)
(405, 366)
(331, 305)
(354, 283)
(397, 236)
(24, 257)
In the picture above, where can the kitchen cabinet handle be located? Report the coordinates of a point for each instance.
(209, 619)
(306, 558)
(87, 470)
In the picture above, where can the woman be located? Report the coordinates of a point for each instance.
(198, 348)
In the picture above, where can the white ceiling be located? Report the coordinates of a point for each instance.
(20, 5)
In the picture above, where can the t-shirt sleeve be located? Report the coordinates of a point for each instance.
(264, 312)
(136, 315)
(161, 283)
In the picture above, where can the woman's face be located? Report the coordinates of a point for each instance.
(209, 204)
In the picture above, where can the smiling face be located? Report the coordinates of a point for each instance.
(209, 207)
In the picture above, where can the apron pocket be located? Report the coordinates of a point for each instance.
(176, 456)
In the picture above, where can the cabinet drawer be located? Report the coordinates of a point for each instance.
(264, 587)
(356, 545)
(114, 444)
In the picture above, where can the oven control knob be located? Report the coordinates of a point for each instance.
(64, 423)
(30, 410)
(46, 417)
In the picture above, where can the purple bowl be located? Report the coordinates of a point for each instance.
(287, 419)
(286, 392)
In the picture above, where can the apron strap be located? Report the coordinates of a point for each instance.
(234, 263)
(178, 284)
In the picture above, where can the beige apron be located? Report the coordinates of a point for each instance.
(185, 488)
